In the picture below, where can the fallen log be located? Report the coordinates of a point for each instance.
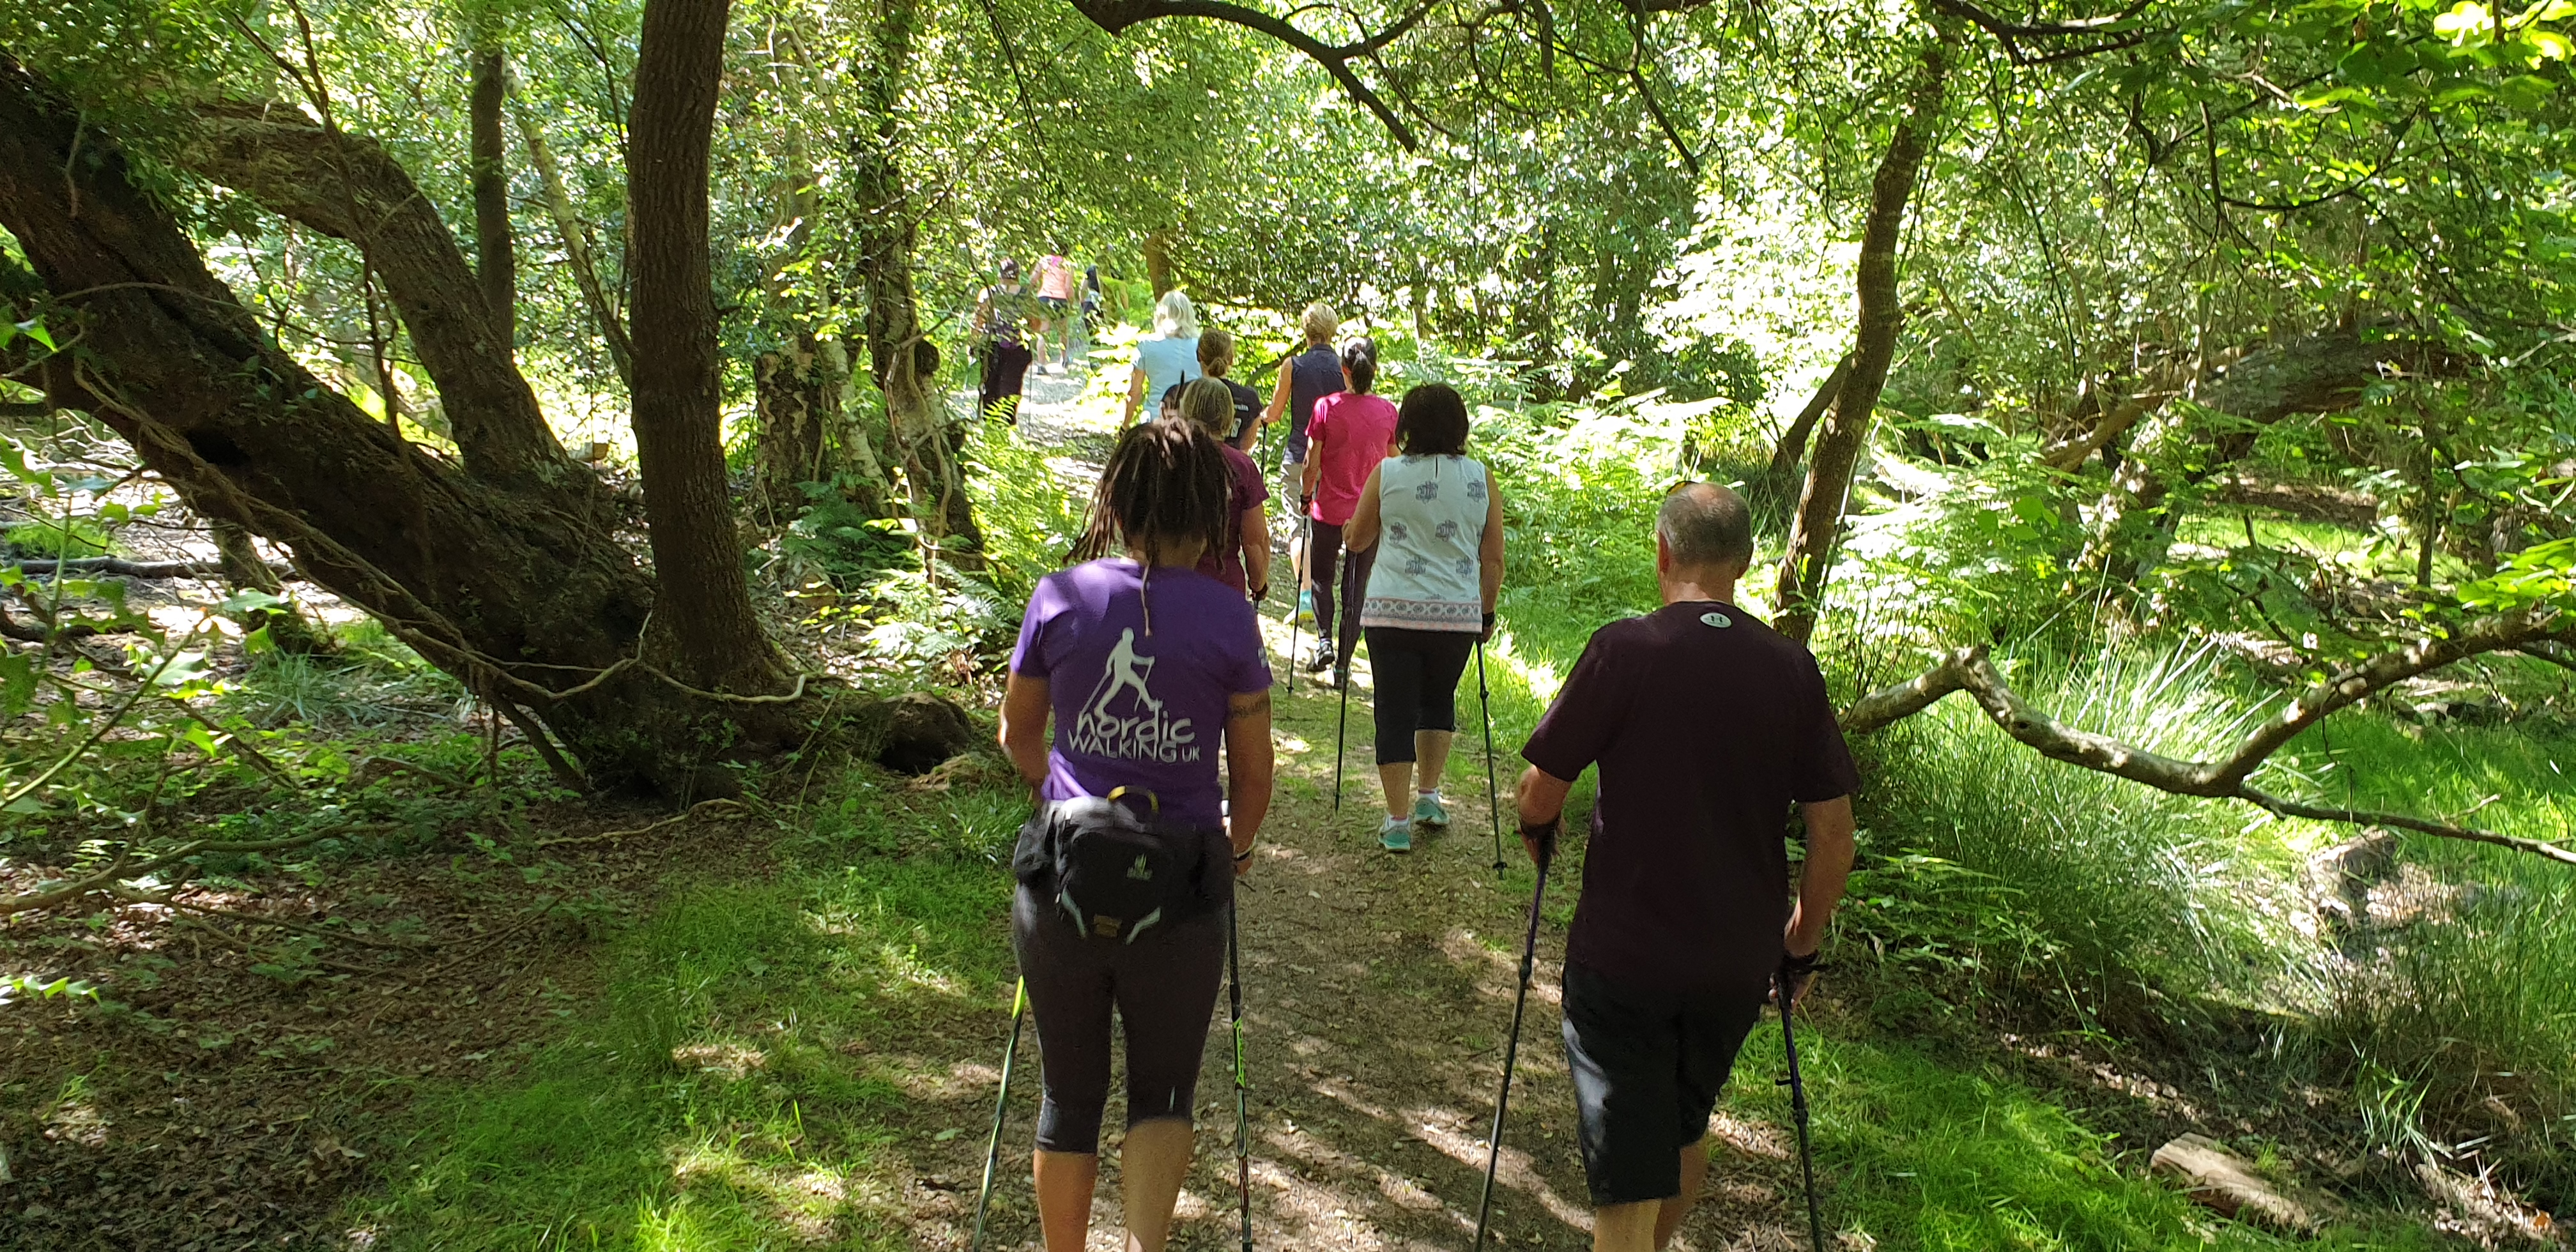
(124, 568)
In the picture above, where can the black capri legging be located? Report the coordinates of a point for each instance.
(1417, 684)
(1164, 987)
(1324, 553)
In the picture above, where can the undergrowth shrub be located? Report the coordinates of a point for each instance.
(1031, 514)
(840, 539)
(1997, 869)
(59, 538)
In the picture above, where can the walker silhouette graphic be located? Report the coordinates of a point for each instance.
(1134, 728)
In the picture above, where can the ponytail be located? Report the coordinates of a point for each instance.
(1359, 359)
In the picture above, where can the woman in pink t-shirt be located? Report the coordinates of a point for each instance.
(1350, 433)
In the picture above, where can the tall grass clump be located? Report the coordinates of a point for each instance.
(2101, 893)
(2464, 993)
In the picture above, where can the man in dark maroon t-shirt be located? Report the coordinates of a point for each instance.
(1707, 726)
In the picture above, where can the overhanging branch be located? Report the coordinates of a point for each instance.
(1971, 671)
(1115, 16)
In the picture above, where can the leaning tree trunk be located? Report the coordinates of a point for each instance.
(2325, 372)
(705, 616)
(576, 244)
(1808, 562)
(499, 567)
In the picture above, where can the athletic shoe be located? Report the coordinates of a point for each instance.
(1321, 661)
(1429, 812)
(1395, 835)
(1306, 608)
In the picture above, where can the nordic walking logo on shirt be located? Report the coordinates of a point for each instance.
(1135, 727)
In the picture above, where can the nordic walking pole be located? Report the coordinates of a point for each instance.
(1341, 666)
(1296, 560)
(1784, 990)
(1001, 1106)
(1242, 1081)
(1512, 1053)
(1493, 798)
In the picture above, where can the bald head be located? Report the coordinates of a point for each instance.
(1707, 527)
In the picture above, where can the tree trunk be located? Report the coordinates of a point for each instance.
(705, 616)
(350, 188)
(901, 358)
(2325, 372)
(501, 571)
(1804, 568)
(1158, 261)
(244, 570)
(1793, 441)
(799, 400)
(496, 263)
(576, 244)
(508, 583)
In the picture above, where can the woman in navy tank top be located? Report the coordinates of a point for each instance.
(1304, 379)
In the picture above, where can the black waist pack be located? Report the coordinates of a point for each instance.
(1115, 872)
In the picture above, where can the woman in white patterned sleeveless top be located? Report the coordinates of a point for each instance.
(1437, 524)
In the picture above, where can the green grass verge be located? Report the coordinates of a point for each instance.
(1921, 1156)
(730, 1091)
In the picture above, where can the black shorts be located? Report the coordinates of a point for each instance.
(1648, 1066)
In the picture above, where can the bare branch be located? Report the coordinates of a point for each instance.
(1115, 16)
(1970, 670)
(2356, 817)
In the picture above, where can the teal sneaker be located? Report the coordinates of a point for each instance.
(1429, 812)
(1395, 835)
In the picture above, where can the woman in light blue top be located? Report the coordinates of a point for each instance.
(1169, 356)
(1436, 521)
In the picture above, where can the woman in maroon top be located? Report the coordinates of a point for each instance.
(1208, 402)
(1350, 433)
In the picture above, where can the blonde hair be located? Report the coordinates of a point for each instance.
(1321, 323)
(1176, 317)
(1209, 405)
(1216, 352)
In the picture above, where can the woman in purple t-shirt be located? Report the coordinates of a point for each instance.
(1351, 432)
(1147, 667)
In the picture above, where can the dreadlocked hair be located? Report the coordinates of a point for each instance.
(1166, 481)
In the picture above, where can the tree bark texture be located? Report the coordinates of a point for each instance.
(799, 401)
(576, 244)
(705, 612)
(350, 188)
(901, 357)
(496, 262)
(1808, 562)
